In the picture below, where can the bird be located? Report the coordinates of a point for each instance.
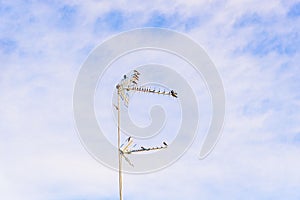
(128, 139)
(174, 94)
(165, 143)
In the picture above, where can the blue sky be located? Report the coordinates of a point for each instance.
(255, 46)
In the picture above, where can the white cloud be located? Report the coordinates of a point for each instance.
(41, 157)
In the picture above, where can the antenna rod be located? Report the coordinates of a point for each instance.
(144, 149)
(148, 90)
(119, 142)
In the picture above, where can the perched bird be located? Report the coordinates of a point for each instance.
(174, 94)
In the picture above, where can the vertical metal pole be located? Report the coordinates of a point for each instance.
(119, 153)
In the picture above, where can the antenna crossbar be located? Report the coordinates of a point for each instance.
(127, 159)
(149, 90)
(142, 149)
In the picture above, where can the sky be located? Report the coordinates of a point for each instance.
(255, 46)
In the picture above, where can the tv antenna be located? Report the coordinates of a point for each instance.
(125, 87)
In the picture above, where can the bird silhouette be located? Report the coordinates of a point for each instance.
(174, 94)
